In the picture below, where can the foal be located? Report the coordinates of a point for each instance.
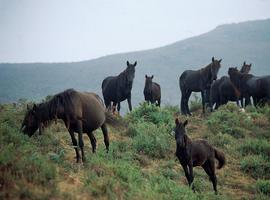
(196, 153)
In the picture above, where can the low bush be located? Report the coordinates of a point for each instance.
(255, 146)
(256, 166)
(263, 186)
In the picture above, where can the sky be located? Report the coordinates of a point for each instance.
(76, 30)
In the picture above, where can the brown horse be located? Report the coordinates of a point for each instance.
(82, 112)
(196, 153)
(152, 91)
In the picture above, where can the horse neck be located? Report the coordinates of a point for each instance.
(44, 113)
(123, 76)
(206, 74)
(148, 87)
(184, 150)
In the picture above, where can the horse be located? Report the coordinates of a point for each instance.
(257, 87)
(82, 112)
(152, 92)
(197, 81)
(118, 88)
(222, 90)
(196, 153)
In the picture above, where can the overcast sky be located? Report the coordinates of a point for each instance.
(74, 30)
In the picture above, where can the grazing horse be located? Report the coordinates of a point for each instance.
(257, 87)
(222, 90)
(82, 112)
(197, 81)
(152, 92)
(196, 153)
(118, 88)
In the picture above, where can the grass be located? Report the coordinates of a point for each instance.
(141, 162)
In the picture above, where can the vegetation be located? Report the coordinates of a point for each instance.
(141, 162)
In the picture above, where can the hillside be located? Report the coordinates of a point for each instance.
(234, 43)
(141, 162)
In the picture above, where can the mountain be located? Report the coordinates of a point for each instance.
(234, 43)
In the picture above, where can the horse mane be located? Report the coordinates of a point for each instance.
(63, 99)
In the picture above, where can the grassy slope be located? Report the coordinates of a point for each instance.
(141, 162)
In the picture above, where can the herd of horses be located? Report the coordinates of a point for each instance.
(84, 112)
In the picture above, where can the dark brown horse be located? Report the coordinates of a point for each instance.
(197, 81)
(257, 87)
(82, 112)
(152, 92)
(222, 90)
(196, 153)
(116, 89)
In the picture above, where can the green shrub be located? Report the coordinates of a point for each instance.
(229, 119)
(256, 166)
(151, 113)
(255, 146)
(221, 140)
(152, 140)
(263, 186)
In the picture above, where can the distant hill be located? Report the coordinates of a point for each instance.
(234, 43)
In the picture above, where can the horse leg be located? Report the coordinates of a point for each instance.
(209, 168)
(186, 102)
(186, 173)
(118, 107)
(129, 103)
(203, 100)
(191, 177)
(80, 136)
(159, 101)
(106, 136)
(75, 145)
(182, 105)
(93, 141)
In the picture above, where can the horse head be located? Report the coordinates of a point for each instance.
(215, 66)
(180, 133)
(130, 71)
(148, 81)
(245, 68)
(30, 122)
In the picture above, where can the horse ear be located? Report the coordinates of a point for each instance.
(185, 123)
(152, 76)
(213, 59)
(127, 63)
(135, 64)
(177, 121)
(220, 60)
(145, 75)
(250, 64)
(34, 107)
(244, 63)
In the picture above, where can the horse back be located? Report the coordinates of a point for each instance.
(201, 151)
(91, 109)
(190, 80)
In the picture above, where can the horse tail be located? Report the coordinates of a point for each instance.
(220, 157)
(114, 121)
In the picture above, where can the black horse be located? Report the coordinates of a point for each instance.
(196, 153)
(152, 92)
(222, 90)
(257, 87)
(118, 88)
(197, 81)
